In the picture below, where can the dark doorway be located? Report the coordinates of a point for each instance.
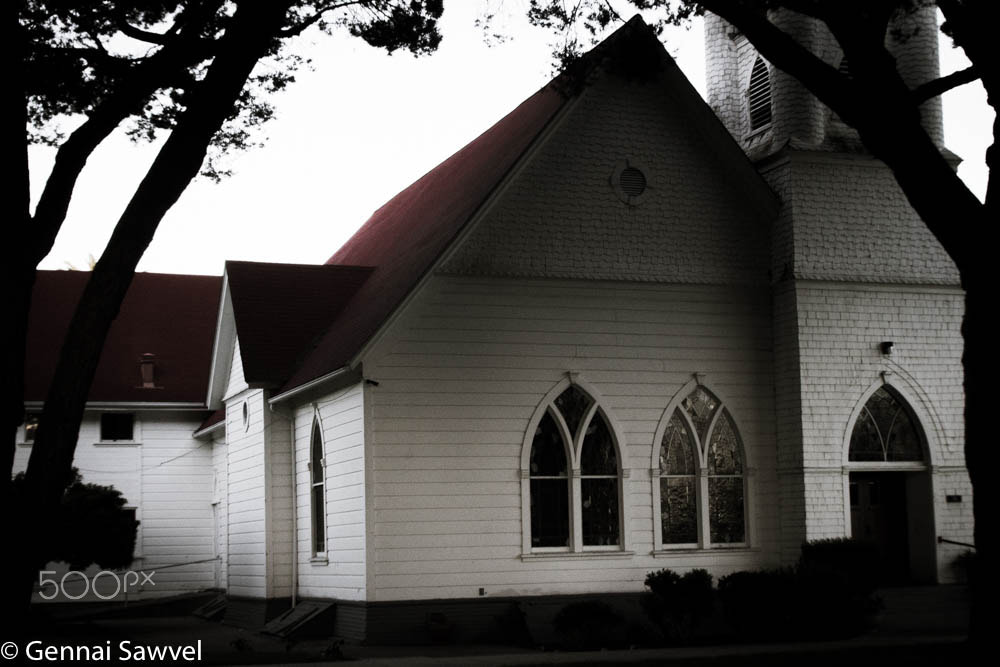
(878, 514)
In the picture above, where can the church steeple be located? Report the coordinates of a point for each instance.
(764, 108)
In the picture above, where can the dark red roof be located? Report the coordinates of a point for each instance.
(404, 237)
(280, 310)
(170, 316)
(212, 419)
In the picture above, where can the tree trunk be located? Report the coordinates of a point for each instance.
(980, 454)
(250, 35)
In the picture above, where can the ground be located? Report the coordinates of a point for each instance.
(920, 626)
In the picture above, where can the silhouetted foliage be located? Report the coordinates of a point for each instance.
(678, 604)
(90, 527)
(201, 72)
(829, 594)
(589, 625)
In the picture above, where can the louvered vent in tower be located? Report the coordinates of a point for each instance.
(759, 95)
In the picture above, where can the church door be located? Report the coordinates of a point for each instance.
(878, 514)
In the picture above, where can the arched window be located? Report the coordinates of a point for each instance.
(886, 431)
(700, 475)
(317, 480)
(573, 476)
(759, 95)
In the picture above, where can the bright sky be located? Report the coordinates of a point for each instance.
(358, 128)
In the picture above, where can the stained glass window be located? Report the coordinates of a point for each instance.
(678, 484)
(885, 431)
(700, 407)
(701, 427)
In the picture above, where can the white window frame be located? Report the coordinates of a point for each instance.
(576, 548)
(136, 429)
(702, 476)
(316, 429)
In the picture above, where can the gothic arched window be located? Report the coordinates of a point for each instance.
(701, 475)
(574, 476)
(886, 431)
(759, 95)
(317, 484)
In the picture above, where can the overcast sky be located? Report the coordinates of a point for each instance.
(355, 130)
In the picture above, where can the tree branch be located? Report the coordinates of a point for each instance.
(780, 49)
(931, 89)
(246, 40)
(72, 156)
(301, 26)
(148, 36)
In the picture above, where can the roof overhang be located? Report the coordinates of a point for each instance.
(222, 346)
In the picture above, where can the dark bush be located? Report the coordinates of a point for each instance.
(588, 626)
(761, 604)
(679, 604)
(852, 562)
(91, 526)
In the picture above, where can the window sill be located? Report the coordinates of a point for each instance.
(578, 555)
(714, 549)
(25, 444)
(319, 560)
(117, 443)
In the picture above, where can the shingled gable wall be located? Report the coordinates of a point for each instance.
(560, 275)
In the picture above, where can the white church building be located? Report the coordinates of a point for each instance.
(624, 329)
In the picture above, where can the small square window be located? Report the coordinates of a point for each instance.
(30, 428)
(117, 426)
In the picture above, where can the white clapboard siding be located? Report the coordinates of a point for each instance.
(342, 574)
(459, 376)
(166, 475)
(236, 383)
(247, 539)
(176, 512)
(220, 503)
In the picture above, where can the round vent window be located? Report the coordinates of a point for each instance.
(633, 182)
(629, 182)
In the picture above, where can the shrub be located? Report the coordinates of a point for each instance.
(90, 526)
(678, 604)
(852, 562)
(588, 625)
(761, 604)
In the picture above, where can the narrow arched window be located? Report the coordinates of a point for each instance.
(573, 476)
(759, 95)
(886, 431)
(725, 483)
(678, 484)
(549, 486)
(599, 485)
(700, 475)
(317, 480)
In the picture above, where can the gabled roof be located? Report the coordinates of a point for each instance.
(404, 238)
(280, 309)
(169, 316)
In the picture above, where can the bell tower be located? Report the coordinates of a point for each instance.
(766, 109)
(852, 266)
